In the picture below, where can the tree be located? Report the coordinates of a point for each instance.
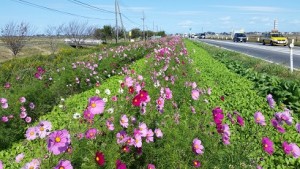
(135, 33)
(53, 34)
(15, 36)
(161, 33)
(78, 32)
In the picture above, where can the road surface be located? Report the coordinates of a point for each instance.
(275, 54)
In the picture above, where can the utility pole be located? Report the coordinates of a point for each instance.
(124, 32)
(143, 25)
(116, 11)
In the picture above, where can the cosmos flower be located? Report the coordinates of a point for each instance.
(268, 145)
(64, 164)
(197, 146)
(100, 160)
(58, 141)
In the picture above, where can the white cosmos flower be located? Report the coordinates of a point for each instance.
(156, 84)
(120, 81)
(105, 100)
(61, 106)
(121, 90)
(97, 91)
(107, 91)
(76, 115)
(110, 110)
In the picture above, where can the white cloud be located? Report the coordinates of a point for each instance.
(253, 8)
(186, 23)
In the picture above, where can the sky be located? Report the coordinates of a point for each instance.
(172, 16)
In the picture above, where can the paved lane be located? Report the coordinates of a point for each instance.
(276, 54)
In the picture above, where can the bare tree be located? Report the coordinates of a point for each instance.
(53, 33)
(15, 36)
(78, 32)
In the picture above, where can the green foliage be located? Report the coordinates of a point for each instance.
(59, 81)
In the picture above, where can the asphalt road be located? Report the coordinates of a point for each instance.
(274, 54)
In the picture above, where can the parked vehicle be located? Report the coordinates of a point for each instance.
(239, 37)
(274, 38)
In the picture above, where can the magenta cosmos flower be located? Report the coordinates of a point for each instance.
(268, 145)
(151, 166)
(240, 121)
(64, 164)
(91, 133)
(120, 165)
(197, 146)
(259, 118)
(287, 148)
(59, 141)
(196, 163)
(298, 127)
(96, 105)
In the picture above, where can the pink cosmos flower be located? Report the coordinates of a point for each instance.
(1, 165)
(23, 114)
(194, 85)
(197, 146)
(140, 77)
(33, 164)
(4, 119)
(268, 145)
(195, 94)
(271, 101)
(287, 148)
(149, 137)
(298, 127)
(31, 105)
(44, 128)
(110, 125)
(122, 137)
(58, 141)
(158, 133)
(64, 164)
(259, 118)
(31, 133)
(209, 91)
(4, 105)
(128, 81)
(124, 121)
(226, 134)
(88, 115)
(151, 166)
(22, 99)
(295, 150)
(96, 105)
(137, 141)
(276, 125)
(168, 93)
(28, 119)
(120, 165)
(91, 133)
(7, 85)
(19, 157)
(143, 129)
(114, 98)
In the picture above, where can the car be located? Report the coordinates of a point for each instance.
(202, 36)
(274, 38)
(239, 37)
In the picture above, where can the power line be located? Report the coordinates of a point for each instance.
(55, 10)
(90, 6)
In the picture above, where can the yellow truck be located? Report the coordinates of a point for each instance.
(274, 38)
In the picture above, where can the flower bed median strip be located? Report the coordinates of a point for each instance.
(177, 108)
